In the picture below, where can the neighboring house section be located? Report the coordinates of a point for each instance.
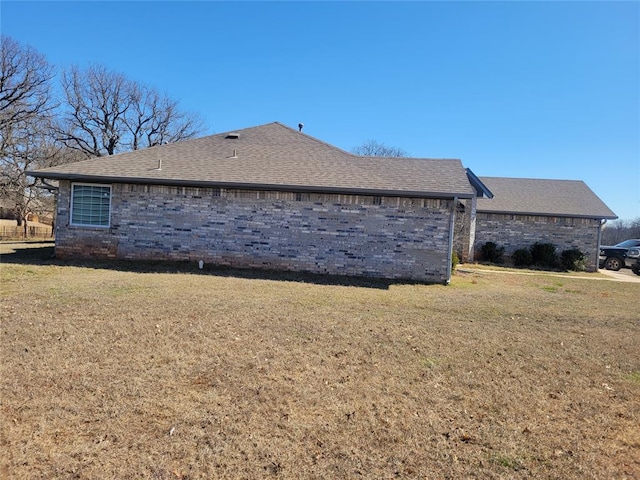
(523, 211)
(265, 197)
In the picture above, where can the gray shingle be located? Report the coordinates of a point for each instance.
(529, 196)
(272, 156)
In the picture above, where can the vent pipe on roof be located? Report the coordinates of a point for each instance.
(300, 125)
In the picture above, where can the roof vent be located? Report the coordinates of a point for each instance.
(300, 126)
(232, 135)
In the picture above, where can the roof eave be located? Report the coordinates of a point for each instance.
(249, 186)
(476, 183)
(547, 214)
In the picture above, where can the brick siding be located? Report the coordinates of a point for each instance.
(521, 231)
(387, 237)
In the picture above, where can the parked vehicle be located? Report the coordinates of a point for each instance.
(623, 254)
(635, 268)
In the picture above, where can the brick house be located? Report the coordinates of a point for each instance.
(273, 197)
(523, 211)
(266, 197)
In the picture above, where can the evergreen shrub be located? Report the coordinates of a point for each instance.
(522, 257)
(492, 253)
(573, 259)
(544, 255)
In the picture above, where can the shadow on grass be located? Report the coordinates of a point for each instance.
(43, 254)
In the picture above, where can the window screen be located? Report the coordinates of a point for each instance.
(90, 205)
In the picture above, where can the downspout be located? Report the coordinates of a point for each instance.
(452, 219)
(603, 222)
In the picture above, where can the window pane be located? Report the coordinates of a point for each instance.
(90, 205)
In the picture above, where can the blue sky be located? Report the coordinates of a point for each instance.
(517, 89)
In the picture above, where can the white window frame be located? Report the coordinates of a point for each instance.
(71, 201)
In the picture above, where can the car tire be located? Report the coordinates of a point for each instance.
(613, 263)
(635, 268)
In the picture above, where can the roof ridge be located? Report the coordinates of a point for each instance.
(431, 159)
(311, 137)
(236, 130)
(291, 130)
(532, 178)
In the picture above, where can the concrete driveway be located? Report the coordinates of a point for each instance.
(622, 275)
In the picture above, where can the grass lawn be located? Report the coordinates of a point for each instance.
(164, 372)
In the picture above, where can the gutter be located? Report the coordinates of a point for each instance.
(549, 214)
(603, 222)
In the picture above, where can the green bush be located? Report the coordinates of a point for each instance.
(455, 260)
(522, 257)
(492, 253)
(544, 255)
(573, 259)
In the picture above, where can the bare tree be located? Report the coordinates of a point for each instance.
(25, 115)
(103, 113)
(155, 119)
(107, 113)
(95, 103)
(28, 146)
(372, 148)
(25, 80)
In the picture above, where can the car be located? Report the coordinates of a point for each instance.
(635, 268)
(623, 254)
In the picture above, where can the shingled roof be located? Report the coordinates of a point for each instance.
(271, 156)
(529, 196)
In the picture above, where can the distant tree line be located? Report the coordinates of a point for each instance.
(620, 230)
(100, 112)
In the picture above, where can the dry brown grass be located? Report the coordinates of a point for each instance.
(136, 372)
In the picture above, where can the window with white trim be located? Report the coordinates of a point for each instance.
(90, 205)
